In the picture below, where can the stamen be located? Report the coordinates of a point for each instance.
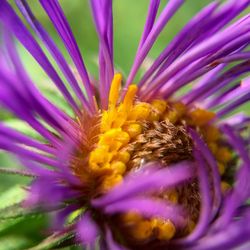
(165, 230)
(114, 90)
(200, 117)
(129, 97)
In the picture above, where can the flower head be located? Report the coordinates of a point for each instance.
(161, 164)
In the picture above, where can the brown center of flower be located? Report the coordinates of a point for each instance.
(160, 141)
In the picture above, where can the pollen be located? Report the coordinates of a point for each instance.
(159, 105)
(191, 226)
(165, 230)
(118, 167)
(221, 168)
(211, 133)
(225, 186)
(171, 195)
(223, 155)
(140, 112)
(142, 230)
(176, 112)
(213, 146)
(133, 129)
(123, 156)
(130, 218)
(114, 91)
(110, 181)
(200, 117)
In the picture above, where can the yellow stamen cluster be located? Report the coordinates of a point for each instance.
(120, 124)
(143, 229)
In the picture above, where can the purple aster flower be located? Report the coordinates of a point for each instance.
(163, 164)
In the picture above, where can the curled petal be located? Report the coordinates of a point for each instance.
(147, 181)
(150, 208)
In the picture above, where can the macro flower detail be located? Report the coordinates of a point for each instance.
(161, 162)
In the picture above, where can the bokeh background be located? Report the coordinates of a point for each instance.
(129, 18)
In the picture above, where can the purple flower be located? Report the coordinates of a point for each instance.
(163, 164)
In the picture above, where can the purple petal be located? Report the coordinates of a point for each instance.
(237, 120)
(207, 155)
(152, 12)
(233, 105)
(218, 83)
(58, 19)
(36, 102)
(38, 28)
(165, 16)
(6, 99)
(237, 197)
(14, 24)
(232, 93)
(20, 138)
(235, 57)
(206, 201)
(179, 44)
(237, 143)
(8, 145)
(87, 230)
(207, 77)
(48, 192)
(104, 26)
(220, 97)
(208, 46)
(38, 169)
(19, 95)
(147, 181)
(148, 207)
(230, 237)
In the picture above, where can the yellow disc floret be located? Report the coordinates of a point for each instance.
(120, 124)
(165, 230)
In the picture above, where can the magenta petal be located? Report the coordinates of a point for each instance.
(59, 20)
(103, 18)
(87, 230)
(58, 56)
(206, 209)
(170, 9)
(208, 156)
(15, 25)
(149, 207)
(145, 181)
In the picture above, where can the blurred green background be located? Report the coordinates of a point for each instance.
(129, 18)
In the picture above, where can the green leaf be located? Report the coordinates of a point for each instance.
(7, 199)
(16, 211)
(5, 225)
(26, 231)
(12, 196)
(55, 241)
(15, 242)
